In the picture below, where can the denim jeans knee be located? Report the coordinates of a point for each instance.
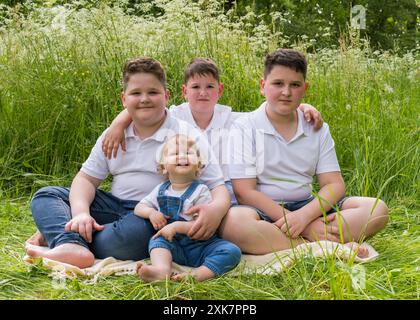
(51, 211)
(125, 239)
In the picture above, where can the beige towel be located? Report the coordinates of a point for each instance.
(265, 264)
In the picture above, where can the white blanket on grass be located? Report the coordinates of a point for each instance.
(271, 263)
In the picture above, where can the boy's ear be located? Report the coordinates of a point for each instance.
(262, 85)
(167, 94)
(123, 99)
(184, 91)
(221, 88)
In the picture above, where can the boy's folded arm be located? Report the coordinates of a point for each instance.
(246, 193)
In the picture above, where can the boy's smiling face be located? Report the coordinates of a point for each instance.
(145, 99)
(284, 89)
(202, 92)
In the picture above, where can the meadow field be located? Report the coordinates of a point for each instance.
(60, 82)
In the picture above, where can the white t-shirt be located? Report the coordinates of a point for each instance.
(217, 131)
(200, 195)
(135, 171)
(284, 169)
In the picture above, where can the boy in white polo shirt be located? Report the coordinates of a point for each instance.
(274, 156)
(202, 89)
(84, 222)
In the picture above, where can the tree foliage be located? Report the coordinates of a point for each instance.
(390, 24)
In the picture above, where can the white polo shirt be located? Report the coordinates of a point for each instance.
(135, 171)
(284, 169)
(217, 131)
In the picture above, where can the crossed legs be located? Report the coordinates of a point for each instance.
(360, 218)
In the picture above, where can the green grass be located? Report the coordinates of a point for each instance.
(59, 88)
(394, 275)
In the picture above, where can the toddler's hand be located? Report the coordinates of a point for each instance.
(168, 232)
(158, 220)
(113, 138)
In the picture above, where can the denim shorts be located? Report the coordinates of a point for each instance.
(293, 206)
(233, 201)
(217, 254)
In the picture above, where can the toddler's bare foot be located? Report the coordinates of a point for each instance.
(179, 276)
(37, 239)
(362, 252)
(70, 253)
(152, 273)
(200, 274)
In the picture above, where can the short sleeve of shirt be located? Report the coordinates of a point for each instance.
(96, 164)
(327, 161)
(204, 195)
(151, 199)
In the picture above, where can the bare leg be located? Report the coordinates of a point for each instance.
(159, 269)
(361, 217)
(243, 227)
(70, 253)
(200, 274)
(37, 239)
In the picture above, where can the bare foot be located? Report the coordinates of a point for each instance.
(362, 252)
(70, 253)
(37, 239)
(200, 274)
(152, 273)
(180, 276)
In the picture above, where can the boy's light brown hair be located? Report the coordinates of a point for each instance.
(202, 67)
(290, 58)
(143, 65)
(179, 139)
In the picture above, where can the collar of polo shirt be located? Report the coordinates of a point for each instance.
(160, 135)
(262, 121)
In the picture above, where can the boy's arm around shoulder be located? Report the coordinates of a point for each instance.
(115, 135)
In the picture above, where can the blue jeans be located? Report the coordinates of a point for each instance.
(229, 186)
(219, 255)
(125, 236)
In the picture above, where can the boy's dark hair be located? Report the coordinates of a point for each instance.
(202, 67)
(143, 65)
(286, 57)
